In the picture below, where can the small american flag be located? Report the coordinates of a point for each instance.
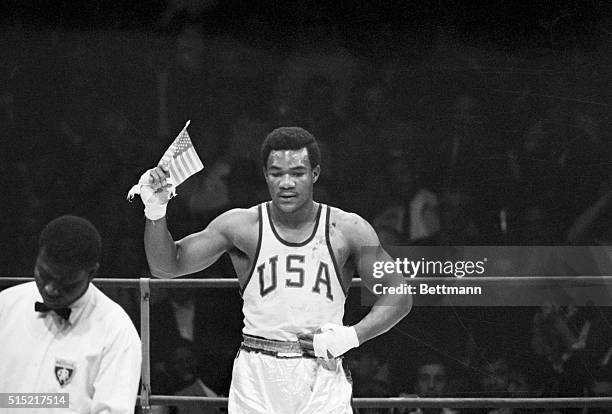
(181, 158)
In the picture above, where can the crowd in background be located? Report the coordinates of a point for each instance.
(440, 143)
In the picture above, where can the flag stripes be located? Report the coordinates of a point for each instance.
(181, 158)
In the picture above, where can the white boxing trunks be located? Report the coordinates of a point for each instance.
(273, 377)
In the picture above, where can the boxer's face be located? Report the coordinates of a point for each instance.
(60, 285)
(290, 178)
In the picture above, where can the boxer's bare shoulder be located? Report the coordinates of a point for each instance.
(350, 230)
(240, 226)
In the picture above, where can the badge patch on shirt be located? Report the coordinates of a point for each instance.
(64, 371)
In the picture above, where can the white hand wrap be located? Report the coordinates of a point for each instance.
(155, 211)
(155, 202)
(334, 340)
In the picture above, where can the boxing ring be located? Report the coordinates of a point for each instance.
(146, 399)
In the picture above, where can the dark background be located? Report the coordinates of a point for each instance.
(494, 114)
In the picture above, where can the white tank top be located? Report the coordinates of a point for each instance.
(292, 287)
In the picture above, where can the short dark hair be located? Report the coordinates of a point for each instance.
(291, 138)
(71, 240)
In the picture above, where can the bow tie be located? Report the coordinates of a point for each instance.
(63, 312)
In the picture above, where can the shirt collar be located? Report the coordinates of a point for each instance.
(79, 305)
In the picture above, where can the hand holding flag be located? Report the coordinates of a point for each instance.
(180, 161)
(181, 158)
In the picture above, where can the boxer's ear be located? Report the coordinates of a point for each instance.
(316, 172)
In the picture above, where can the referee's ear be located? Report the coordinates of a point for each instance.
(93, 271)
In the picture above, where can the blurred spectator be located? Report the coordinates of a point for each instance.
(574, 341)
(175, 371)
(431, 381)
(176, 318)
(412, 209)
(189, 314)
(559, 339)
(179, 375)
(501, 378)
(554, 339)
(371, 378)
(432, 378)
(457, 224)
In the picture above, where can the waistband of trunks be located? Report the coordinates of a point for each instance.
(279, 349)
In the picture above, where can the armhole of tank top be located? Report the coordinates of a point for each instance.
(257, 249)
(331, 251)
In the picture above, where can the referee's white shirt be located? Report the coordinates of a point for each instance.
(95, 356)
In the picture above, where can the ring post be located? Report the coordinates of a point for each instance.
(145, 389)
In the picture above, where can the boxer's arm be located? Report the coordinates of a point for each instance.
(388, 310)
(168, 258)
(365, 250)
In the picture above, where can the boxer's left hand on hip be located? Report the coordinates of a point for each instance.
(334, 340)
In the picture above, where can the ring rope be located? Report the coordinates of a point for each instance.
(146, 399)
(582, 281)
(410, 402)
